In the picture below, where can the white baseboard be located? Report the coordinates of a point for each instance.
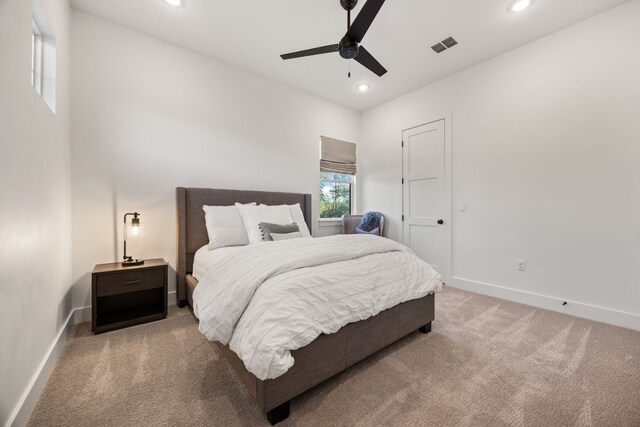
(172, 299)
(574, 308)
(29, 398)
(27, 403)
(81, 315)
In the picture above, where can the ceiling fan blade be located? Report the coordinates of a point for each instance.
(364, 19)
(310, 52)
(366, 59)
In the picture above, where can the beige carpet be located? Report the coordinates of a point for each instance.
(487, 362)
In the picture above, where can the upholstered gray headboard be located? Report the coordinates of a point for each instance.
(192, 231)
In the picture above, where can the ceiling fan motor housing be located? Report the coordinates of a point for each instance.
(348, 4)
(348, 48)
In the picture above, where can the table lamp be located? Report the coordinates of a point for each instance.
(128, 261)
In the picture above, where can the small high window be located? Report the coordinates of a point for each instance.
(43, 56)
(36, 58)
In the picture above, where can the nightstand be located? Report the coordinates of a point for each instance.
(125, 296)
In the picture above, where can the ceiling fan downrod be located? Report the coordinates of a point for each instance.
(348, 5)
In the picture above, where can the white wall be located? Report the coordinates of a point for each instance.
(546, 151)
(35, 212)
(148, 117)
(329, 227)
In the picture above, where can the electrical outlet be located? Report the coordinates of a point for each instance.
(522, 265)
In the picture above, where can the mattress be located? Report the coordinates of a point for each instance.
(204, 259)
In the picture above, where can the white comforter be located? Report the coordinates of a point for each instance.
(273, 297)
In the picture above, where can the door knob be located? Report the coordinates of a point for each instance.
(440, 222)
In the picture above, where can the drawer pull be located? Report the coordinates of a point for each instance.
(132, 282)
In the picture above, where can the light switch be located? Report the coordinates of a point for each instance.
(463, 206)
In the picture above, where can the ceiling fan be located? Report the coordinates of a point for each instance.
(349, 47)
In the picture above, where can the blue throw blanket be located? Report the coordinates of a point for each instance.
(370, 221)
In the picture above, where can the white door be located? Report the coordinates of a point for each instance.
(426, 194)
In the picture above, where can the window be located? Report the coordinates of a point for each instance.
(36, 58)
(337, 176)
(335, 194)
(43, 56)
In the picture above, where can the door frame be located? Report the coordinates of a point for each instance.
(447, 272)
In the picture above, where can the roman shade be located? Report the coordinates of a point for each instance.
(337, 156)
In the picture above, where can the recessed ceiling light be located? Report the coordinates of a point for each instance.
(520, 5)
(174, 3)
(363, 87)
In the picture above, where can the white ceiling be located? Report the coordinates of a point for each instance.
(251, 34)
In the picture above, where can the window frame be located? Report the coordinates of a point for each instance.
(37, 58)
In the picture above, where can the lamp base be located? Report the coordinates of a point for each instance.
(131, 263)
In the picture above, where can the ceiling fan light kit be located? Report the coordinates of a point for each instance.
(349, 46)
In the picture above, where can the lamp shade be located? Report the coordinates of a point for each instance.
(135, 225)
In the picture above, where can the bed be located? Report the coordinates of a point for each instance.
(328, 354)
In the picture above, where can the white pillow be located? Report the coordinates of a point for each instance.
(225, 227)
(298, 218)
(253, 215)
(285, 236)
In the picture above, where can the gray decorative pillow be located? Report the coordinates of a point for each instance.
(267, 228)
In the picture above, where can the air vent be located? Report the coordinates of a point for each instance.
(439, 47)
(445, 44)
(449, 42)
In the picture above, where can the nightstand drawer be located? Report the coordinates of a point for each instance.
(130, 281)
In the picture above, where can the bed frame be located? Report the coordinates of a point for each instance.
(327, 355)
